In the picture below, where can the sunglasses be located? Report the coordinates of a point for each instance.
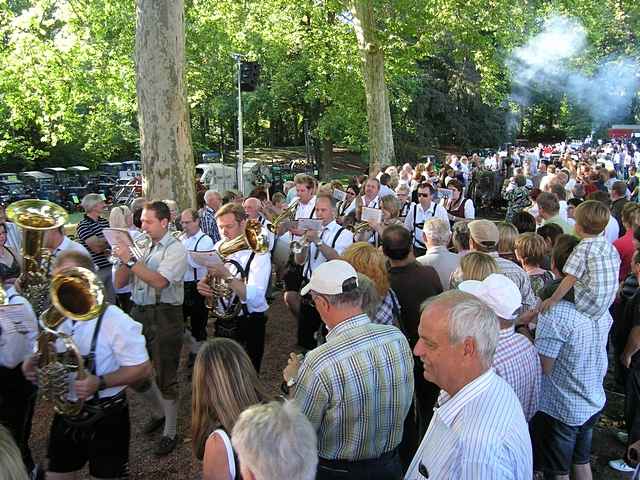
(424, 194)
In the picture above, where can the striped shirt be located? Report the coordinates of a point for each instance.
(479, 433)
(573, 392)
(517, 361)
(87, 228)
(209, 225)
(595, 264)
(356, 389)
(515, 273)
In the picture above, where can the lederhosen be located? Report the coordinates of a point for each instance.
(194, 306)
(342, 207)
(98, 420)
(17, 401)
(421, 248)
(309, 321)
(293, 277)
(248, 328)
(404, 210)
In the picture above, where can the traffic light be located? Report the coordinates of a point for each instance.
(249, 73)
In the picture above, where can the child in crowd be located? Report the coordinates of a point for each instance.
(592, 268)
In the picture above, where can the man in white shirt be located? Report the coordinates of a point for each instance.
(321, 246)
(436, 236)
(305, 186)
(478, 430)
(385, 178)
(419, 213)
(253, 207)
(56, 241)
(370, 199)
(247, 274)
(193, 307)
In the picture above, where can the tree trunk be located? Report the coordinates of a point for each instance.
(165, 134)
(326, 159)
(381, 151)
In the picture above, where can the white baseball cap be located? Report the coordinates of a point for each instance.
(498, 292)
(332, 278)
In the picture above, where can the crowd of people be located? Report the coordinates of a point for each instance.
(431, 344)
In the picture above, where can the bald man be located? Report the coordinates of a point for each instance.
(253, 208)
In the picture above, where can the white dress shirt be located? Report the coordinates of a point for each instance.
(271, 238)
(479, 433)
(612, 230)
(120, 343)
(327, 235)
(18, 333)
(304, 210)
(421, 216)
(68, 244)
(200, 242)
(257, 280)
(384, 191)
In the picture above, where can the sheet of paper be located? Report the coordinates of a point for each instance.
(205, 259)
(309, 224)
(339, 194)
(445, 193)
(117, 236)
(371, 215)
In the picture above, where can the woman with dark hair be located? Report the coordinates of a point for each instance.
(524, 222)
(224, 384)
(458, 207)
(343, 207)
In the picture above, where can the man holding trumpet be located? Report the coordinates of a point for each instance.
(246, 273)
(315, 248)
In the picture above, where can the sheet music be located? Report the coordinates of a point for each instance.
(371, 215)
(117, 236)
(205, 259)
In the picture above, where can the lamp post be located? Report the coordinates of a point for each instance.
(238, 59)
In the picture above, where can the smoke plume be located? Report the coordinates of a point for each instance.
(547, 63)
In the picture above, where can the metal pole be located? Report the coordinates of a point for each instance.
(238, 58)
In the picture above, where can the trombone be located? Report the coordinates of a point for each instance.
(287, 214)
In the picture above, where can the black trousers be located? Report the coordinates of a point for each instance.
(632, 408)
(17, 401)
(309, 322)
(387, 467)
(249, 331)
(194, 307)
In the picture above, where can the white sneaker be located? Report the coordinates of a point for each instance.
(620, 465)
(623, 437)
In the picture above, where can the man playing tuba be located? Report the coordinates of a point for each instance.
(246, 272)
(157, 294)
(115, 356)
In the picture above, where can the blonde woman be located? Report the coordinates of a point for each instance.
(11, 466)
(390, 206)
(370, 261)
(474, 266)
(224, 384)
(507, 240)
(121, 217)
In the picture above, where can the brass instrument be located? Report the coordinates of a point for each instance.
(358, 228)
(287, 214)
(297, 247)
(78, 294)
(252, 239)
(35, 217)
(140, 248)
(4, 300)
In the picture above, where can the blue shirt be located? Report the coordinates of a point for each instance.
(574, 391)
(478, 434)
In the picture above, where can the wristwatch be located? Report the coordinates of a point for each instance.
(102, 385)
(131, 263)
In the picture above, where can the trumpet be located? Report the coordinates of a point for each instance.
(287, 214)
(297, 247)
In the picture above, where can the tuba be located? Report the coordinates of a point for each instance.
(221, 303)
(78, 294)
(358, 228)
(287, 214)
(35, 217)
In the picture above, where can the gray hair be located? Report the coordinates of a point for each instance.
(370, 297)
(276, 440)
(469, 317)
(90, 200)
(352, 298)
(209, 193)
(437, 230)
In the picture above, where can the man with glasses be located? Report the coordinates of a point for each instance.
(404, 195)
(420, 212)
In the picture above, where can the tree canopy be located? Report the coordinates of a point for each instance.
(68, 93)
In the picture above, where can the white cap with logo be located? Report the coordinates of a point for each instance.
(332, 278)
(498, 292)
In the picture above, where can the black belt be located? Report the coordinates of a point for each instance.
(345, 464)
